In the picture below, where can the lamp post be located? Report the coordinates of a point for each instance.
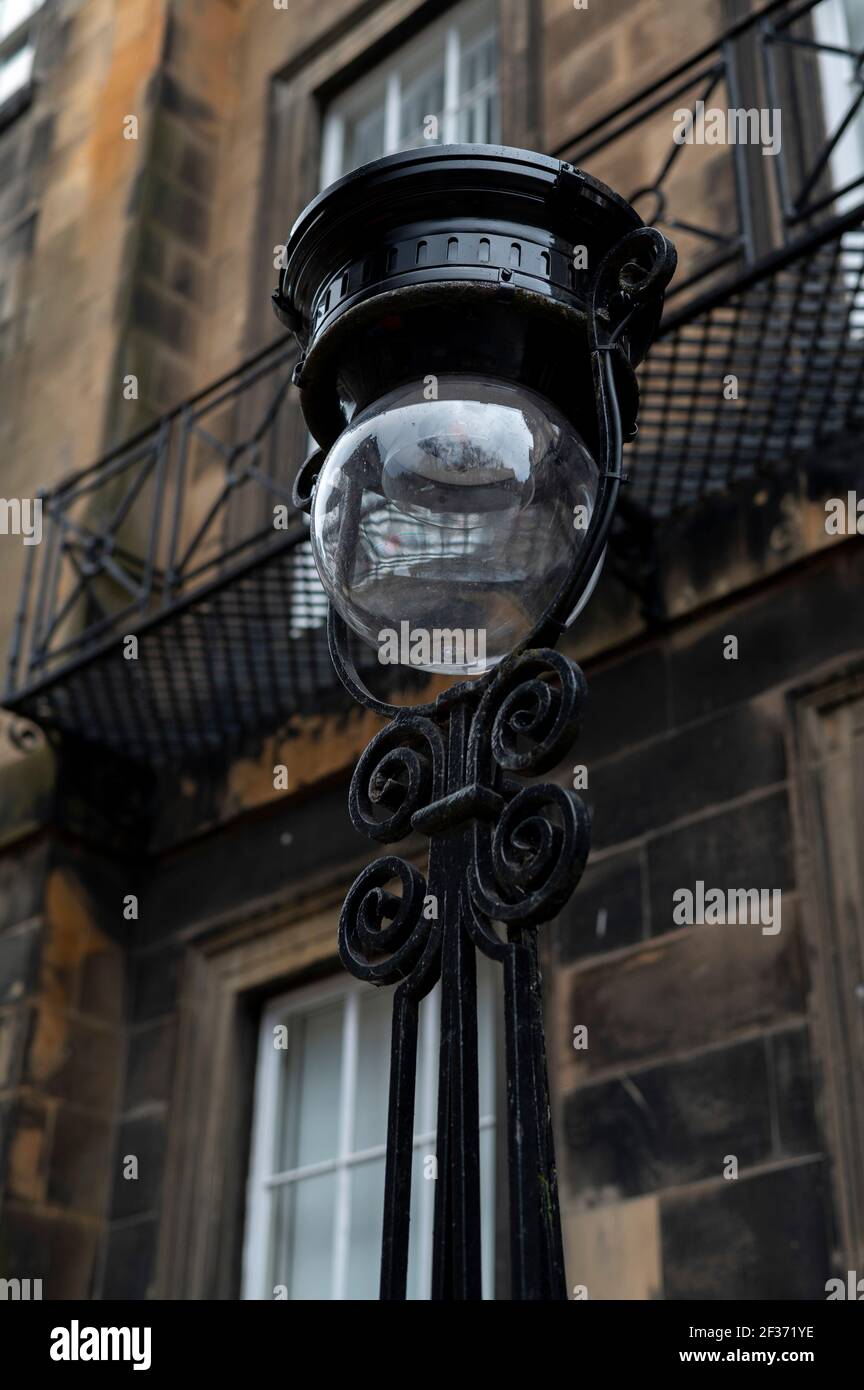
(470, 318)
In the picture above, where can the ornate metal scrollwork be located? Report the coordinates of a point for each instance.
(530, 842)
(401, 770)
(525, 867)
(505, 853)
(381, 936)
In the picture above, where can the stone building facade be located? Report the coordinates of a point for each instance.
(708, 1141)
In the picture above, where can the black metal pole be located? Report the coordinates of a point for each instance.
(504, 850)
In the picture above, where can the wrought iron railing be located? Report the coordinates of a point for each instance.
(116, 544)
(760, 358)
(786, 56)
(185, 539)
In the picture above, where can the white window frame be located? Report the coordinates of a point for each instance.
(831, 26)
(846, 162)
(17, 40)
(263, 1183)
(388, 76)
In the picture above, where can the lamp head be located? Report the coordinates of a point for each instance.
(444, 302)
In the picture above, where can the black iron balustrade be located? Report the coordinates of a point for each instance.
(172, 539)
(729, 241)
(767, 62)
(146, 480)
(751, 379)
(760, 356)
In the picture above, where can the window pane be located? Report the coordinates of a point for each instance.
(303, 1242)
(367, 1213)
(422, 1215)
(449, 71)
(364, 139)
(423, 98)
(478, 91)
(310, 1089)
(426, 1108)
(841, 24)
(15, 71)
(14, 12)
(423, 1212)
(373, 1069)
(292, 1232)
(487, 1211)
(855, 20)
(478, 65)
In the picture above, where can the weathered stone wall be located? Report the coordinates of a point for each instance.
(699, 1038)
(63, 1031)
(68, 215)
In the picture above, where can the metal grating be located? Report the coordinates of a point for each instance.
(240, 659)
(793, 340)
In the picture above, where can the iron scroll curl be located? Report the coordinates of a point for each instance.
(526, 864)
(382, 936)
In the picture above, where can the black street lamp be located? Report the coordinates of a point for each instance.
(470, 318)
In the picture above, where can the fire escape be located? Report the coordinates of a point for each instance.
(759, 368)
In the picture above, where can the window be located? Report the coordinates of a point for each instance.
(17, 45)
(839, 24)
(316, 1185)
(14, 12)
(15, 69)
(442, 87)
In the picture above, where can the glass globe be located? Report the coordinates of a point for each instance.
(442, 528)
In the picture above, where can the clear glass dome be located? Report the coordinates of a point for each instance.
(443, 528)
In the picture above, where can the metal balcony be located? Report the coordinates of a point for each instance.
(771, 248)
(170, 539)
